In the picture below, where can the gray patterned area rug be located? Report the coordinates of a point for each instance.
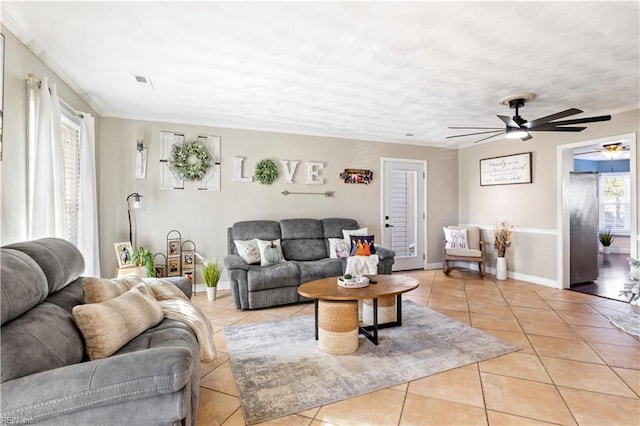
(279, 369)
(629, 322)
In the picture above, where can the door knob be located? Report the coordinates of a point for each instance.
(386, 225)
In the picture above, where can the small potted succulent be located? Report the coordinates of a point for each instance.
(350, 281)
(606, 239)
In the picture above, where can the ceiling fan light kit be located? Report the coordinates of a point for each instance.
(517, 127)
(514, 133)
(612, 151)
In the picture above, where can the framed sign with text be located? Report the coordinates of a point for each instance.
(506, 170)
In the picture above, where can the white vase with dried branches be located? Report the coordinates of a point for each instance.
(502, 240)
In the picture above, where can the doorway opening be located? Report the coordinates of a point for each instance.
(615, 197)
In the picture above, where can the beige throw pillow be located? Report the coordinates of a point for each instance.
(98, 290)
(347, 233)
(110, 325)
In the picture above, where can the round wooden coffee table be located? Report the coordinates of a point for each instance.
(336, 320)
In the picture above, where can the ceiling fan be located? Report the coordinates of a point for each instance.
(519, 128)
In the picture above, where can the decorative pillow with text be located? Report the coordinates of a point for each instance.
(455, 238)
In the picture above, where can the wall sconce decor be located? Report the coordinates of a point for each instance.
(141, 160)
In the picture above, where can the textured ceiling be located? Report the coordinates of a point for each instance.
(373, 71)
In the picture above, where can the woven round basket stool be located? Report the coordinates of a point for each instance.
(386, 310)
(338, 326)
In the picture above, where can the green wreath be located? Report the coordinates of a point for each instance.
(266, 172)
(190, 160)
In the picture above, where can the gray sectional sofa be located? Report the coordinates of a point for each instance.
(305, 247)
(46, 377)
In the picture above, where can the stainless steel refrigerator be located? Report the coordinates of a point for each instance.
(583, 208)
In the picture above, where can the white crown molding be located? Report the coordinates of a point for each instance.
(9, 23)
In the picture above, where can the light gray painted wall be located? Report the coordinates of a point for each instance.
(454, 193)
(20, 61)
(204, 216)
(532, 208)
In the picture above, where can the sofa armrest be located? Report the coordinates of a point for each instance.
(182, 283)
(384, 253)
(233, 261)
(88, 385)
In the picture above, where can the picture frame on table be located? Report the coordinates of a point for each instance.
(173, 247)
(124, 252)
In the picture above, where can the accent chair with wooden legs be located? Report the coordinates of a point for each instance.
(463, 244)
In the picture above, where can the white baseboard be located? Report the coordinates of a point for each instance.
(222, 285)
(547, 282)
(226, 285)
(617, 250)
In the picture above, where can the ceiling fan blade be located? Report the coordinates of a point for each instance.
(526, 138)
(508, 121)
(472, 134)
(558, 115)
(552, 128)
(488, 137)
(478, 128)
(582, 120)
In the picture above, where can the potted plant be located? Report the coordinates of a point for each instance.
(606, 239)
(502, 241)
(142, 257)
(211, 272)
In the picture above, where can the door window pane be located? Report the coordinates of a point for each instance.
(403, 212)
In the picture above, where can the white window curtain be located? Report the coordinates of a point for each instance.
(88, 200)
(46, 163)
(47, 201)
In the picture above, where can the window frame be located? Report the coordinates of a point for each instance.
(71, 122)
(626, 203)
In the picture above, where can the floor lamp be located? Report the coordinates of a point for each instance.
(136, 205)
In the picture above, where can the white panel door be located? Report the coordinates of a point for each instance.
(403, 212)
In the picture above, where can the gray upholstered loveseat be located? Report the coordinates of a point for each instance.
(46, 377)
(305, 247)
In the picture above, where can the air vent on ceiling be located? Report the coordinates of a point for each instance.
(143, 80)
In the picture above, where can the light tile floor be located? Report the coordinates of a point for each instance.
(575, 366)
